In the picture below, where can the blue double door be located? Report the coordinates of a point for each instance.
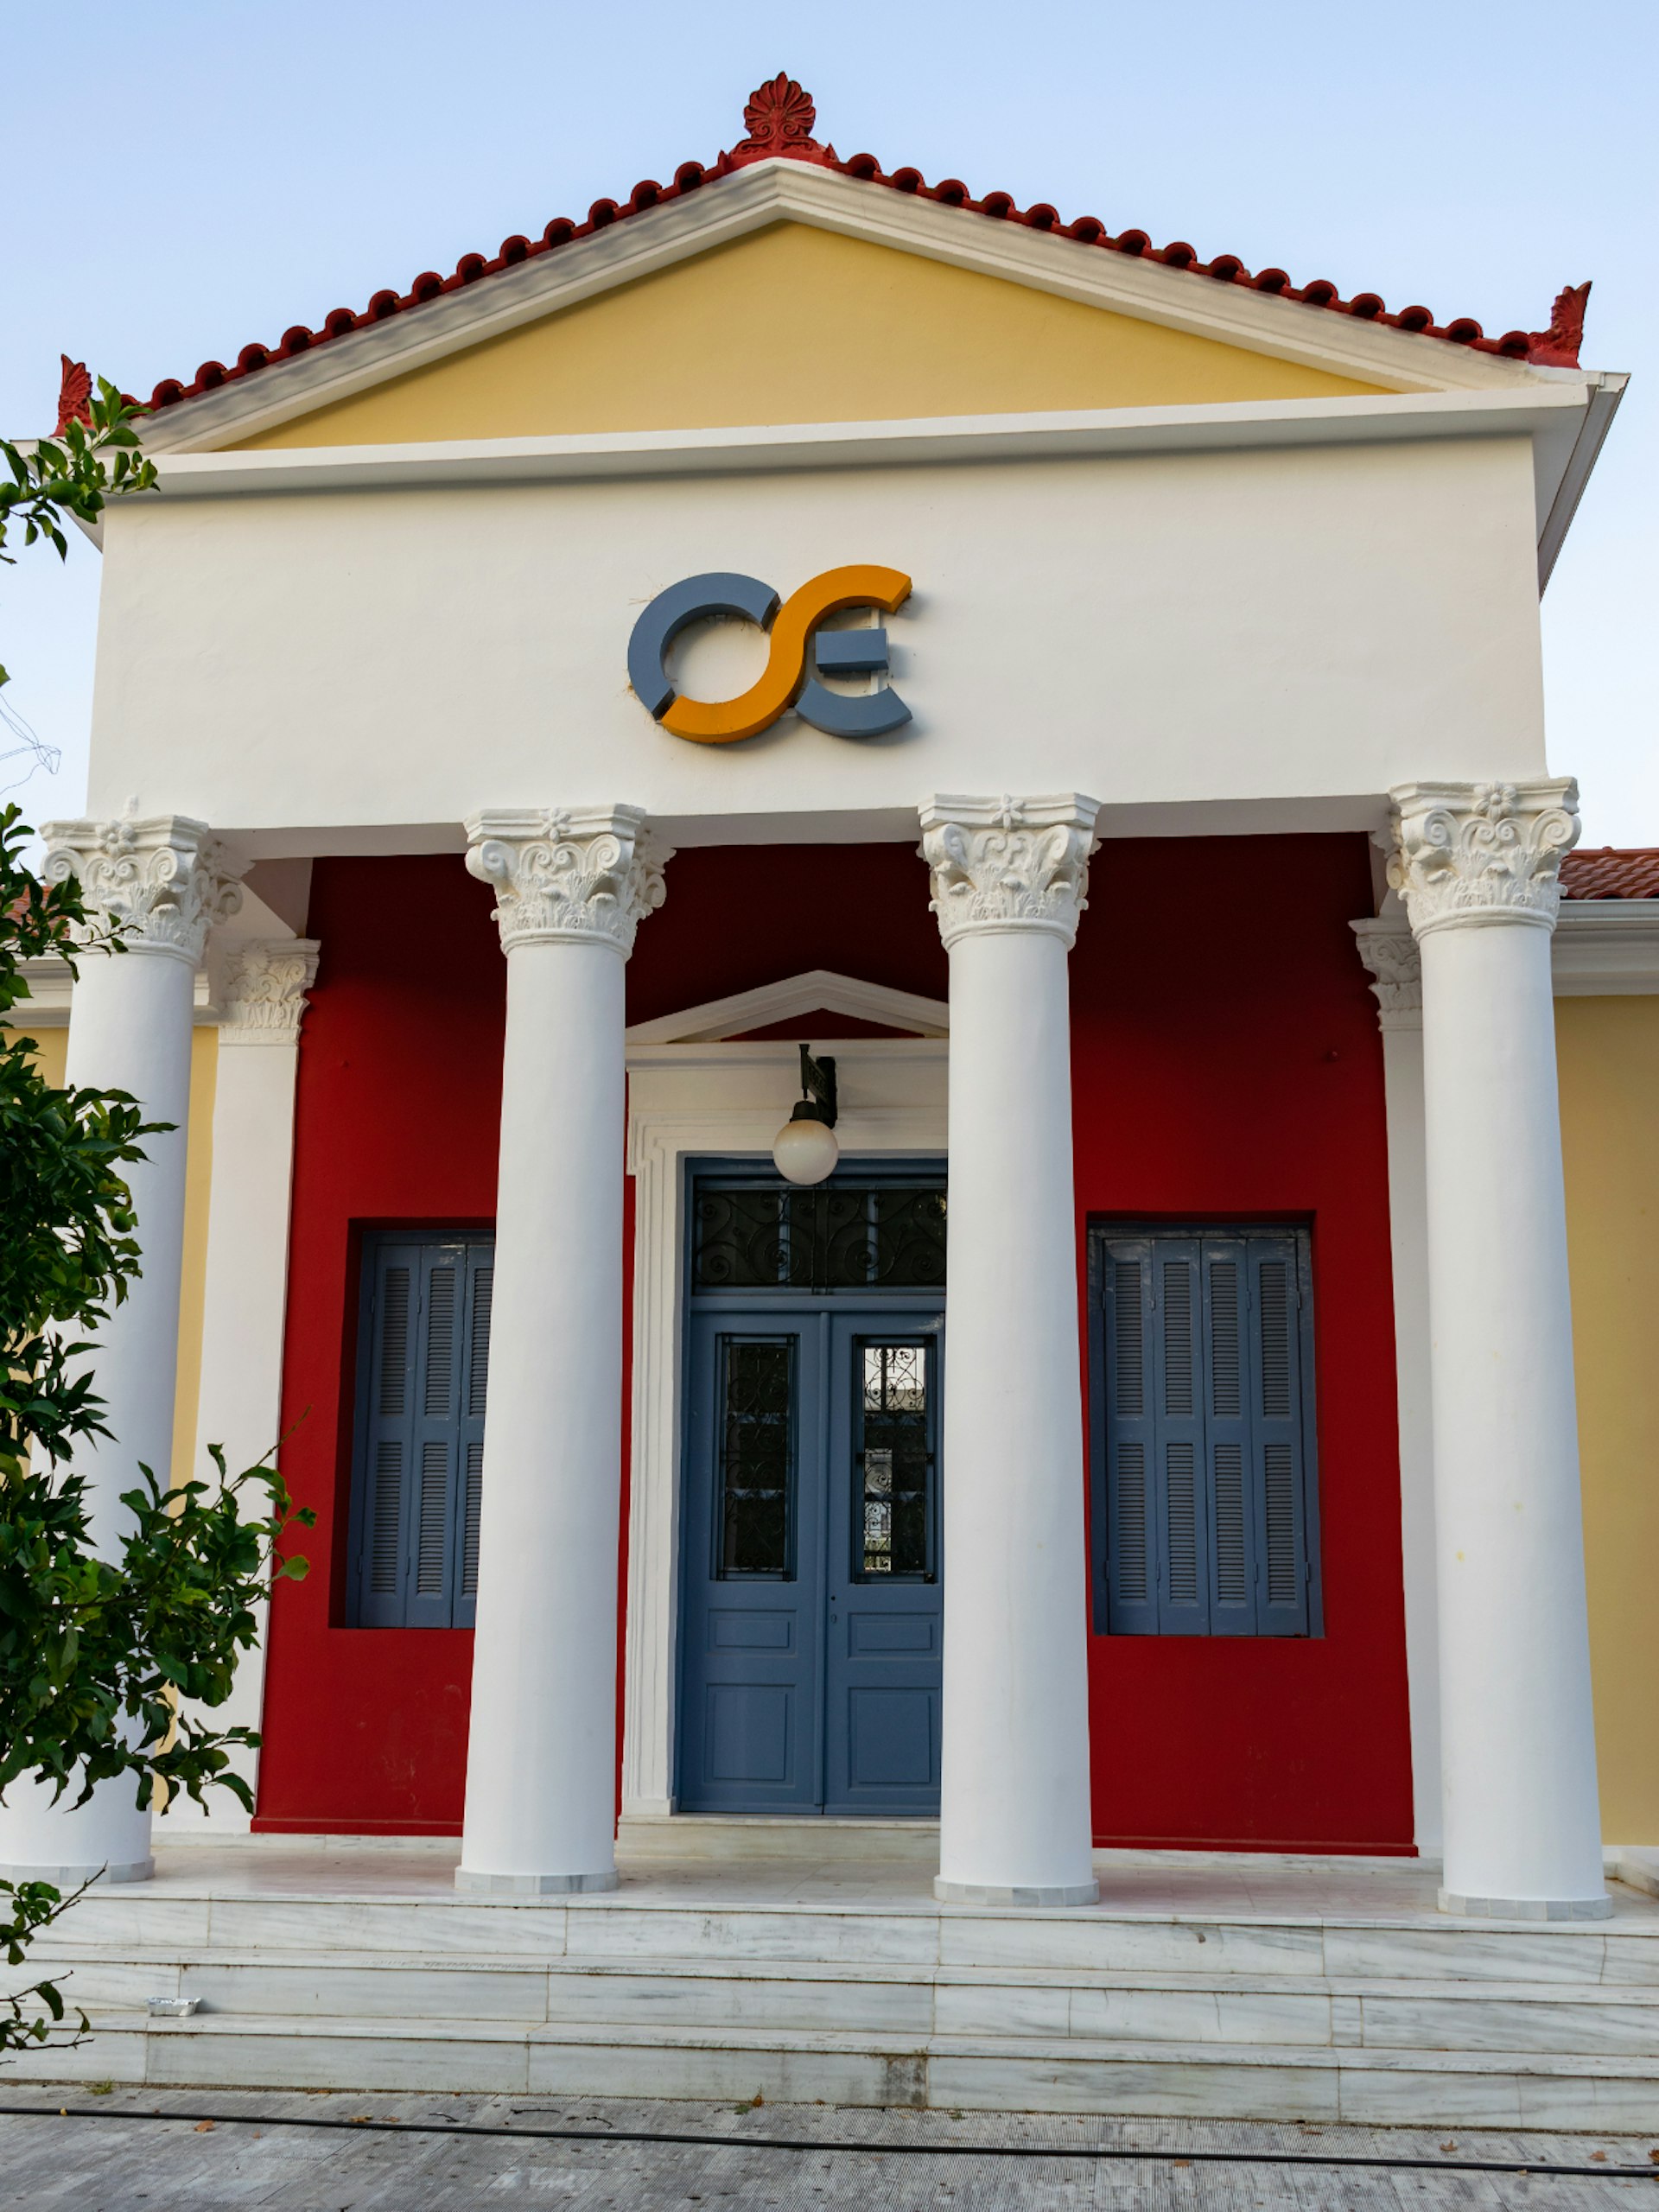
(811, 1600)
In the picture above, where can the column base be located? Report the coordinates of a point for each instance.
(71, 1878)
(532, 1886)
(993, 1893)
(1467, 1908)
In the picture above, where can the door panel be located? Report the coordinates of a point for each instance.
(885, 1589)
(811, 1597)
(749, 1706)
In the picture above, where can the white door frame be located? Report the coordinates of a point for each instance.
(720, 1100)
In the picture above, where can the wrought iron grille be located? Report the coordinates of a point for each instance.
(895, 1463)
(839, 1237)
(756, 1455)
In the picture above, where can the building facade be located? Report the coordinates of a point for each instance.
(1090, 698)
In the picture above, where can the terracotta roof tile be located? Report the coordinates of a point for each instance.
(1607, 873)
(778, 120)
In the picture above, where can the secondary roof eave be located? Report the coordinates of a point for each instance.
(1567, 420)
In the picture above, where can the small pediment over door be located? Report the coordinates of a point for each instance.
(828, 1004)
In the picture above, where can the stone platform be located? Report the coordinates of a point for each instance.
(1246, 1987)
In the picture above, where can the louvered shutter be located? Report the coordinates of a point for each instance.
(470, 1489)
(1281, 1581)
(386, 1382)
(1131, 1531)
(424, 1339)
(1232, 1516)
(1178, 1306)
(1202, 1351)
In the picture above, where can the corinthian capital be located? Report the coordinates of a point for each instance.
(1390, 951)
(587, 874)
(159, 884)
(1467, 854)
(1009, 863)
(264, 988)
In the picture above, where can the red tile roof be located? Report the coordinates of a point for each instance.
(1607, 873)
(778, 120)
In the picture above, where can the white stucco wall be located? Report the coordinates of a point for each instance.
(1308, 624)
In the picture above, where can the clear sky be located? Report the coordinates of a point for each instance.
(184, 180)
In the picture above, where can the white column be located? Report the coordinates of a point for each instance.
(1389, 950)
(1477, 868)
(240, 1406)
(1009, 878)
(541, 1766)
(160, 882)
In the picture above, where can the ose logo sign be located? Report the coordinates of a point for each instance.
(786, 681)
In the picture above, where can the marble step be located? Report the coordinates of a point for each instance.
(703, 1994)
(683, 1840)
(922, 1937)
(952, 2072)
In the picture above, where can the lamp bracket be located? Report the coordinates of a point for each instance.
(817, 1100)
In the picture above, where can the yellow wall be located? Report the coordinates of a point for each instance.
(1609, 1052)
(798, 325)
(51, 1046)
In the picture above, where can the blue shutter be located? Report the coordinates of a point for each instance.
(1279, 1449)
(1204, 1430)
(1183, 1488)
(424, 1339)
(1131, 1531)
(469, 1488)
(387, 1383)
(1232, 1515)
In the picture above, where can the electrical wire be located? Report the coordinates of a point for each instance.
(1096, 2151)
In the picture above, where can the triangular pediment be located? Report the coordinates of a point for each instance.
(796, 323)
(786, 285)
(793, 999)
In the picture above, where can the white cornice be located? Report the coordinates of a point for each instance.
(819, 991)
(1606, 948)
(1551, 416)
(1604, 396)
(1600, 947)
(51, 988)
(780, 191)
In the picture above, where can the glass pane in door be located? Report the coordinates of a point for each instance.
(895, 1462)
(757, 1456)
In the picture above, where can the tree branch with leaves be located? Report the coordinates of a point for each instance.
(111, 1653)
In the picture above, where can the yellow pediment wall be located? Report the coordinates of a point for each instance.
(799, 325)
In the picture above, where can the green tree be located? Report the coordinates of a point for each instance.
(106, 1664)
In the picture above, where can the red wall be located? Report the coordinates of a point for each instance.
(1226, 1063)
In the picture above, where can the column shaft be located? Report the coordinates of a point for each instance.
(1389, 950)
(541, 1772)
(1522, 1827)
(1014, 1814)
(240, 1402)
(130, 1029)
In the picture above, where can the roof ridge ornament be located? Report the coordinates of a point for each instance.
(778, 117)
(1557, 346)
(74, 395)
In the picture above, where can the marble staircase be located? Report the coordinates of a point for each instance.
(863, 1991)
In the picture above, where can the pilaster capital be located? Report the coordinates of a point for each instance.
(1002, 864)
(1465, 855)
(1390, 951)
(158, 882)
(568, 875)
(262, 994)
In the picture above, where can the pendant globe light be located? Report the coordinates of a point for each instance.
(805, 1150)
